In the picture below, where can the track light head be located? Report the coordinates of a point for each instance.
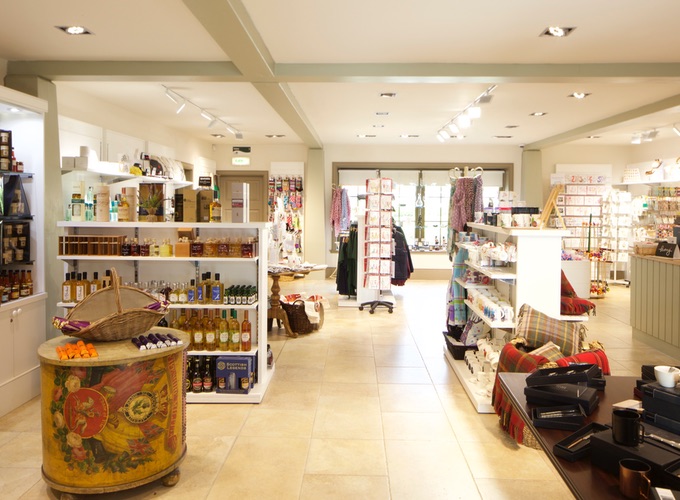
(181, 106)
(170, 95)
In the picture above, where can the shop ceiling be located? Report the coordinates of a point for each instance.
(313, 71)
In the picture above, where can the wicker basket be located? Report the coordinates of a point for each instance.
(297, 317)
(114, 313)
(645, 248)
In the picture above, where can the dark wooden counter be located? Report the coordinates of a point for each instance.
(584, 480)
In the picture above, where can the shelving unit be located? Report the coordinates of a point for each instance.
(250, 271)
(520, 283)
(22, 321)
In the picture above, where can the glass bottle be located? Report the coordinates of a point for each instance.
(126, 248)
(223, 329)
(145, 248)
(200, 290)
(134, 248)
(197, 378)
(246, 343)
(216, 290)
(234, 333)
(123, 207)
(207, 375)
(216, 208)
(89, 204)
(73, 282)
(182, 320)
(191, 292)
(23, 285)
(86, 284)
(197, 334)
(173, 297)
(66, 289)
(29, 281)
(182, 294)
(210, 331)
(188, 374)
(107, 279)
(15, 291)
(95, 284)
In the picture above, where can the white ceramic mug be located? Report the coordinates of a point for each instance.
(667, 376)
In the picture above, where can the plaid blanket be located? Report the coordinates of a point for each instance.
(513, 360)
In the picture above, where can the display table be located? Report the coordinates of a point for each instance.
(275, 311)
(584, 480)
(115, 421)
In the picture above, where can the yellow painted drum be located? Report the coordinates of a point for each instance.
(115, 421)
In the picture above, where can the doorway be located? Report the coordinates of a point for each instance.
(257, 180)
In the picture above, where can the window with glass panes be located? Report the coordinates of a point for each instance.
(426, 224)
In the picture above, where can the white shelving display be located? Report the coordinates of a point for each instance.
(22, 321)
(233, 271)
(617, 224)
(520, 283)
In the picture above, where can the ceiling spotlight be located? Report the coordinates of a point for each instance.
(409, 136)
(557, 31)
(388, 95)
(636, 139)
(474, 112)
(207, 115)
(579, 95)
(676, 128)
(440, 138)
(274, 136)
(444, 134)
(171, 95)
(382, 113)
(511, 126)
(538, 113)
(650, 135)
(593, 137)
(453, 128)
(502, 137)
(74, 30)
(213, 122)
(378, 126)
(463, 121)
(183, 103)
(218, 136)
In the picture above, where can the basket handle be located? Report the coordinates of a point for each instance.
(116, 289)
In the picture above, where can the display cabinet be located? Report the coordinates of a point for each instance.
(22, 321)
(177, 269)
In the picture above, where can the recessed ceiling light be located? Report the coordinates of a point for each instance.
(538, 113)
(558, 31)
(74, 30)
(460, 137)
(365, 136)
(14, 110)
(579, 95)
(378, 126)
(382, 113)
(388, 95)
(218, 136)
(502, 137)
(409, 136)
(593, 137)
(511, 126)
(274, 136)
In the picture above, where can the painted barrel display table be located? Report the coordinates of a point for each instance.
(115, 421)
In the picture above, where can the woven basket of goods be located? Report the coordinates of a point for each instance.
(645, 248)
(113, 313)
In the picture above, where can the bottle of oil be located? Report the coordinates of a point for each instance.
(234, 332)
(223, 329)
(246, 341)
(209, 331)
(197, 334)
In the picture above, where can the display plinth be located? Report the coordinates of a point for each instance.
(115, 421)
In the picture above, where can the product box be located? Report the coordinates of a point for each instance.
(556, 394)
(662, 422)
(660, 400)
(186, 209)
(577, 445)
(236, 372)
(569, 418)
(204, 198)
(571, 374)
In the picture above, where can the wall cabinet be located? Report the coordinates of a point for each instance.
(232, 270)
(22, 321)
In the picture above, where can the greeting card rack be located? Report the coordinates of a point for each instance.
(376, 246)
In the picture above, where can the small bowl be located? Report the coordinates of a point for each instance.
(667, 376)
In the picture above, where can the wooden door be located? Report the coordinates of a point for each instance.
(258, 193)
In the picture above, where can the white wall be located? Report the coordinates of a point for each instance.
(86, 108)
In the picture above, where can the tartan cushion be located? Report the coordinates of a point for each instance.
(567, 289)
(575, 306)
(538, 328)
(549, 350)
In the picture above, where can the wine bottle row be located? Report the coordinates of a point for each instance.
(215, 332)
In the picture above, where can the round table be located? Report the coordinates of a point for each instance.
(115, 421)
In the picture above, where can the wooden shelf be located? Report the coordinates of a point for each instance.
(482, 404)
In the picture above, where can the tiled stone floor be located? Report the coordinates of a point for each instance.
(365, 408)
